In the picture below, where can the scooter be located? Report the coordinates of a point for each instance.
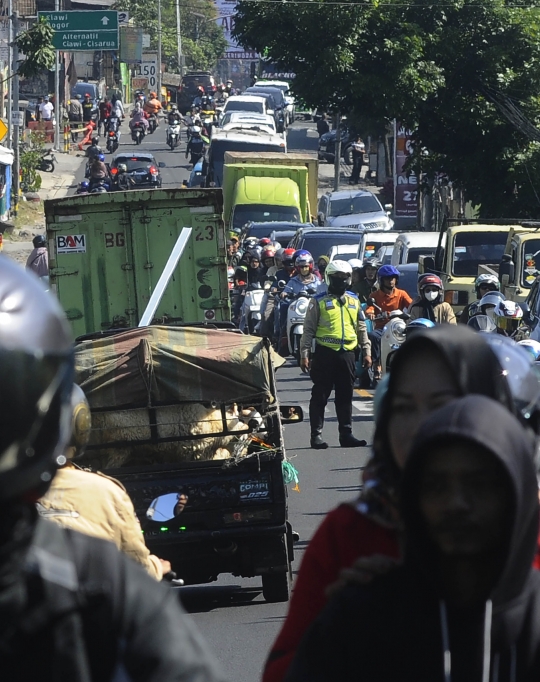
(99, 187)
(112, 141)
(138, 132)
(250, 315)
(46, 163)
(295, 321)
(173, 134)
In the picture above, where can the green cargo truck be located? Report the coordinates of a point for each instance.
(107, 252)
(264, 187)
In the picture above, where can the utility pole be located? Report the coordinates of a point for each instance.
(14, 104)
(179, 37)
(159, 50)
(10, 73)
(57, 91)
(337, 153)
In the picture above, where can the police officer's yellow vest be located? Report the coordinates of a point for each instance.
(338, 323)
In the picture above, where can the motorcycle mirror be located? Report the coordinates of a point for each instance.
(185, 183)
(282, 284)
(291, 414)
(167, 507)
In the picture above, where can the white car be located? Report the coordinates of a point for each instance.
(248, 104)
(343, 252)
(238, 120)
(353, 208)
(409, 246)
(289, 99)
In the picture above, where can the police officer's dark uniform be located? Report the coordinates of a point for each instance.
(88, 108)
(336, 323)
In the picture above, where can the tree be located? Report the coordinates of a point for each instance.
(36, 45)
(445, 69)
(203, 42)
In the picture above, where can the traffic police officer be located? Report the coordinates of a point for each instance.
(336, 323)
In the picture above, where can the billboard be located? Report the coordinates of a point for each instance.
(405, 184)
(226, 10)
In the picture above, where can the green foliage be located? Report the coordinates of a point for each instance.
(29, 161)
(435, 66)
(36, 45)
(203, 42)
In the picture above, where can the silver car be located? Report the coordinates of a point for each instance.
(353, 208)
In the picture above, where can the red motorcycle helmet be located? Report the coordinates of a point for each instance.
(287, 259)
(265, 242)
(268, 252)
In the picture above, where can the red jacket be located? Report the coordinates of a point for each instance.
(344, 536)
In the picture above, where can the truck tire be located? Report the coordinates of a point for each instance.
(276, 587)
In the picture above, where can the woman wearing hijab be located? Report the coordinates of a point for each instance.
(452, 361)
(465, 603)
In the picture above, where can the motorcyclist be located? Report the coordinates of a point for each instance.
(153, 106)
(486, 305)
(270, 321)
(105, 109)
(430, 304)
(122, 178)
(197, 100)
(322, 264)
(268, 260)
(88, 108)
(173, 117)
(233, 257)
(38, 260)
(508, 318)
(98, 170)
(138, 117)
(92, 503)
(482, 285)
(387, 298)
(365, 280)
(94, 150)
(256, 272)
(72, 607)
(195, 146)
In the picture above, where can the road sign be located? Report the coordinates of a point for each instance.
(3, 130)
(123, 18)
(149, 69)
(90, 30)
(17, 118)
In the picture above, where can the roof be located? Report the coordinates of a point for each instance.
(245, 135)
(280, 223)
(349, 194)
(331, 231)
(244, 98)
(419, 238)
(134, 154)
(174, 79)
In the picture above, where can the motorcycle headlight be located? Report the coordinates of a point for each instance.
(301, 307)
(395, 331)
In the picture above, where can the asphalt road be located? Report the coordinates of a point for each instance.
(231, 613)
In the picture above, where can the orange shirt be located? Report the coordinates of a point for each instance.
(398, 300)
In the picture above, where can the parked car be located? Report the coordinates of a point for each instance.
(142, 169)
(342, 252)
(318, 241)
(353, 208)
(409, 246)
(327, 146)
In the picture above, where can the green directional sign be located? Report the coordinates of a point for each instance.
(90, 30)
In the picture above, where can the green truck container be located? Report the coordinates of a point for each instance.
(107, 252)
(268, 186)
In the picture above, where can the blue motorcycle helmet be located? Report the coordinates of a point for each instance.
(84, 184)
(388, 271)
(419, 323)
(101, 157)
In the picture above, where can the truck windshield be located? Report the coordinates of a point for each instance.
(366, 204)
(260, 213)
(414, 254)
(531, 262)
(219, 147)
(472, 249)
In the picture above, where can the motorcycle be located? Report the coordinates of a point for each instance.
(138, 133)
(112, 141)
(46, 163)
(152, 123)
(173, 134)
(250, 315)
(295, 321)
(99, 186)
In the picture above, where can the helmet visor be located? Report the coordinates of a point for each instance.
(508, 324)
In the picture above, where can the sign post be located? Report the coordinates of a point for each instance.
(83, 30)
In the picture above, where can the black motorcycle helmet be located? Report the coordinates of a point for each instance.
(38, 241)
(36, 376)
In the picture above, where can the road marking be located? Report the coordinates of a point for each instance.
(366, 395)
(364, 407)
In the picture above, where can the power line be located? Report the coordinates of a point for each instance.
(404, 5)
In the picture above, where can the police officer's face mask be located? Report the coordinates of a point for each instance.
(338, 286)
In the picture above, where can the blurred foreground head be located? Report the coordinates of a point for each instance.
(36, 378)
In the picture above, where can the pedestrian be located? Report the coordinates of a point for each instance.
(88, 108)
(464, 603)
(322, 125)
(75, 115)
(46, 110)
(358, 149)
(451, 361)
(105, 110)
(38, 260)
(72, 607)
(430, 304)
(335, 322)
(37, 112)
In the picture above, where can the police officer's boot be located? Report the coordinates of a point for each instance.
(347, 440)
(317, 442)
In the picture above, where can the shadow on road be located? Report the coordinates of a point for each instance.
(202, 599)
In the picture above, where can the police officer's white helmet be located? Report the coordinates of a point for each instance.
(335, 266)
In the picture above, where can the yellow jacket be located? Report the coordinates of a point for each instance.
(98, 505)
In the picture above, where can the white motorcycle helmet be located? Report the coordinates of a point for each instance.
(507, 316)
(356, 264)
(338, 285)
(488, 303)
(196, 130)
(531, 346)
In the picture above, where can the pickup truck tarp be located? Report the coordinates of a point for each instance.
(165, 365)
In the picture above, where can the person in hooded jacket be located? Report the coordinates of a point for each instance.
(38, 260)
(465, 603)
(453, 361)
(430, 303)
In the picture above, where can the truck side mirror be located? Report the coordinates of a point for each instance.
(320, 219)
(428, 262)
(507, 269)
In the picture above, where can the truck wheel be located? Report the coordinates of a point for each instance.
(276, 587)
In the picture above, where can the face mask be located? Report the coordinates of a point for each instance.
(431, 295)
(338, 286)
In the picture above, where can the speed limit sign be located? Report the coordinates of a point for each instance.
(148, 68)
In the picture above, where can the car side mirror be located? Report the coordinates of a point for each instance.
(161, 164)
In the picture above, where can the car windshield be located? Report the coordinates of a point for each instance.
(531, 262)
(371, 248)
(264, 213)
(472, 249)
(353, 205)
(276, 94)
(414, 254)
(84, 88)
(219, 147)
(244, 106)
(318, 246)
(134, 164)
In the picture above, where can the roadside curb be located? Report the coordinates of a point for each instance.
(57, 184)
